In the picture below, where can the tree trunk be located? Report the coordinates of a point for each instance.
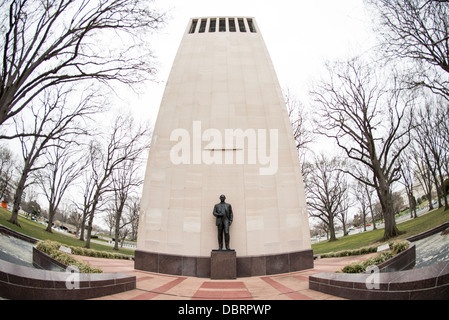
(344, 227)
(372, 213)
(386, 201)
(364, 218)
(117, 230)
(51, 215)
(332, 236)
(83, 224)
(91, 221)
(89, 231)
(368, 195)
(118, 217)
(413, 200)
(91, 216)
(429, 198)
(18, 198)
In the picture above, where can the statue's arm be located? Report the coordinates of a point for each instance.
(231, 215)
(215, 212)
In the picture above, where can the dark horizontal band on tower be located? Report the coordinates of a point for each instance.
(229, 24)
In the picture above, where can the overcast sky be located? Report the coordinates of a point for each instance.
(300, 36)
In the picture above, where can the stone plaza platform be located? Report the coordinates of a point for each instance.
(429, 282)
(156, 286)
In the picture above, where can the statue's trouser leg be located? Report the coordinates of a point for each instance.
(220, 237)
(226, 232)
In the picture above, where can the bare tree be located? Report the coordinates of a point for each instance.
(345, 203)
(361, 198)
(129, 219)
(326, 190)
(302, 133)
(369, 194)
(422, 164)
(55, 121)
(88, 185)
(133, 215)
(124, 143)
(443, 127)
(75, 218)
(7, 163)
(125, 180)
(418, 31)
(46, 43)
(109, 218)
(430, 137)
(64, 166)
(370, 122)
(64, 210)
(423, 173)
(407, 180)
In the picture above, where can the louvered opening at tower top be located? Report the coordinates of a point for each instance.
(209, 25)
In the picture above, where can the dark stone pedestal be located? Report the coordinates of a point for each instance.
(223, 264)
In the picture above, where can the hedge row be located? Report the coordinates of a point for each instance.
(94, 253)
(346, 253)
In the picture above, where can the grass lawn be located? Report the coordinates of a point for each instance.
(410, 227)
(37, 230)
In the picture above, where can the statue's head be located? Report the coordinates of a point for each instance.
(222, 198)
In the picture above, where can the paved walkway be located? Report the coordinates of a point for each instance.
(154, 286)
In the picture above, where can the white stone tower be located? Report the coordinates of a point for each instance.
(223, 128)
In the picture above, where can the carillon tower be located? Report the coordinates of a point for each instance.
(223, 128)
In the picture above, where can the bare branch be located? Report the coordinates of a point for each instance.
(54, 125)
(48, 43)
(417, 31)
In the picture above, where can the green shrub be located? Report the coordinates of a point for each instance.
(354, 252)
(398, 246)
(355, 267)
(378, 259)
(358, 267)
(52, 249)
(96, 253)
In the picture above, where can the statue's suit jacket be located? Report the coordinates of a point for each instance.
(223, 212)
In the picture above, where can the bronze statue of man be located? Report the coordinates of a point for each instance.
(223, 213)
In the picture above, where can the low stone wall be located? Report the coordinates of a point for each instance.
(428, 283)
(431, 282)
(17, 235)
(404, 260)
(429, 233)
(249, 266)
(43, 261)
(25, 283)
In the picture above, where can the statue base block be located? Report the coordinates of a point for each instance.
(223, 264)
